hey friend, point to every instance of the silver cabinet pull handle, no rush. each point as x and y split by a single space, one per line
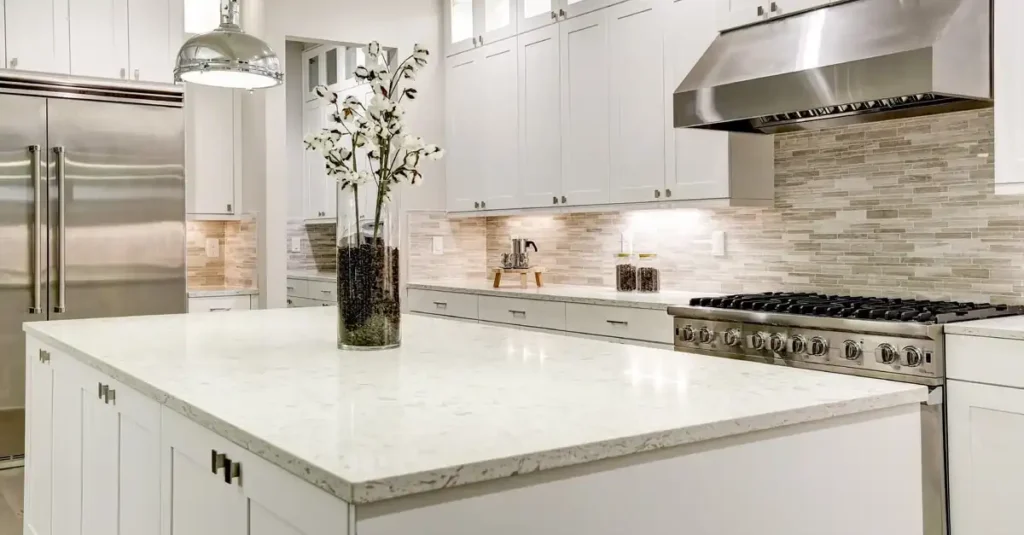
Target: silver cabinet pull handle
668 193
563 13
774 8
228 465
123 73
111 396
518 313
564 200
554 16
657 194
14 63
483 204
554 200
136 74
291 288
62 240
104 391
220 310
325 291
44 356
441 304
235 473
622 323
760 11
35 158
217 461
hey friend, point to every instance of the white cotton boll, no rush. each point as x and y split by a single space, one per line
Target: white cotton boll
413 143
412 159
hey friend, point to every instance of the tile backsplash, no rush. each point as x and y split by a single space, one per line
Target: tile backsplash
316 244
900 208
234 267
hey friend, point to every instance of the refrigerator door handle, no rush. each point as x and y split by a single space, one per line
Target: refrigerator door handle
61 232
35 153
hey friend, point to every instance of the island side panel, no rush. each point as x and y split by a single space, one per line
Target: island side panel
847 476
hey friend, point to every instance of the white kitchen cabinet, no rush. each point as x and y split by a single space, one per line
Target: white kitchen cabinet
540 113
201 16
217 488
155 33
315 178
68 401
524 312
736 13
986 436
449 304
586 101
575 8
212 150
99 38
702 164
323 65
637 101
37 35
38 440
227 303
1008 86
462 130
533 14
469 24
3 39
499 118
99 464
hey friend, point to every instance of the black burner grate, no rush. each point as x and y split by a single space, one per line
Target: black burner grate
869 308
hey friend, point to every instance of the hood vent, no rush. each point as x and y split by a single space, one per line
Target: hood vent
865 60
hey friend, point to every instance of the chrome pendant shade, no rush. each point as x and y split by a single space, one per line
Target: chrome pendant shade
228 57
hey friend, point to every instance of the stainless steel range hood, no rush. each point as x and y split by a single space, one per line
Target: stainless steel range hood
858 61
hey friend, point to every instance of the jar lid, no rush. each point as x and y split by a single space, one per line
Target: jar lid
648 255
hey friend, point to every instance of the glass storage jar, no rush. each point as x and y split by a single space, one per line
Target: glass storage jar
625 272
648 273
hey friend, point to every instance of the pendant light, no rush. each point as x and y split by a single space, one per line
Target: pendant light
228 57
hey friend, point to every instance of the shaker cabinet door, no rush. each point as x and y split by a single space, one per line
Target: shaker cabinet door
99 38
210 149
540 113
39 443
462 132
499 117
154 35
37 35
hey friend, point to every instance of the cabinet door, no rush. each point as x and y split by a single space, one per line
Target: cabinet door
68 400
462 132
1008 79
210 114
37 35
39 444
315 172
499 20
736 13
540 117
330 189
313 72
138 461
697 161
782 8
986 436
99 464
99 38
201 503
500 120
637 101
462 22
153 40
533 14
3 41
585 104
575 8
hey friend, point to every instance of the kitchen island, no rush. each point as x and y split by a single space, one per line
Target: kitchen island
252 422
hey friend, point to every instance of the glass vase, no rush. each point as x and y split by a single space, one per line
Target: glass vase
369 305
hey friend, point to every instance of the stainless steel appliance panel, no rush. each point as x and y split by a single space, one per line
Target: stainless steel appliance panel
117 210
22 158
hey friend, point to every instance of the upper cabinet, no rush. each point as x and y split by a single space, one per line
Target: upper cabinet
1008 86
473 23
117 39
212 151
201 16
736 13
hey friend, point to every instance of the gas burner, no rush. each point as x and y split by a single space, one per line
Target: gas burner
866 308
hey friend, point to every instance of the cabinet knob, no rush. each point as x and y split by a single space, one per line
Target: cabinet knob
229 207
14 63
564 200
668 193
657 194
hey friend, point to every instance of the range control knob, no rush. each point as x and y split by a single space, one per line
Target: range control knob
886 354
777 343
756 341
910 357
688 334
851 350
706 336
819 347
797 344
733 338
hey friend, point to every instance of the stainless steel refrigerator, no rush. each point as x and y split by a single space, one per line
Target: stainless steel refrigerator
92 213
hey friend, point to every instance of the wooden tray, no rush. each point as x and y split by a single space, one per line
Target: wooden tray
524 276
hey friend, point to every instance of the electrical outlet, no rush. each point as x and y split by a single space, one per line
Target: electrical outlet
718 243
296 246
437 247
212 248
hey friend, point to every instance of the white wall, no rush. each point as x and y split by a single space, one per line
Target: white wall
399 23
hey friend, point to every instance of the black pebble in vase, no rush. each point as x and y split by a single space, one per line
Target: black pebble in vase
369 303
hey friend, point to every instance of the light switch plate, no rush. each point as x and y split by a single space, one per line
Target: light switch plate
718 243
212 248
437 247
295 246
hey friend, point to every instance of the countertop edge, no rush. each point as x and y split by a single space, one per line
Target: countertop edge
316 476
223 292
985 332
515 294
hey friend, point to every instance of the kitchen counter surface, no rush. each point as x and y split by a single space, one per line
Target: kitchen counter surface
1010 327
312 275
590 295
457 403
221 292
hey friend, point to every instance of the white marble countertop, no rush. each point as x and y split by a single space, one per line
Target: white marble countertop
458 403
221 292
312 275
590 295
1011 327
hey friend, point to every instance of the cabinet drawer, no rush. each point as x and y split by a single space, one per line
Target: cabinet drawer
323 291
619 322
218 304
996 361
298 288
303 302
456 305
526 312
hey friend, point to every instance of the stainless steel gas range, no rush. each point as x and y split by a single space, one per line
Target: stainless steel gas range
894 339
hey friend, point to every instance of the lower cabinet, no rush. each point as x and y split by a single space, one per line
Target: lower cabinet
221 304
102 459
986 437
311 293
